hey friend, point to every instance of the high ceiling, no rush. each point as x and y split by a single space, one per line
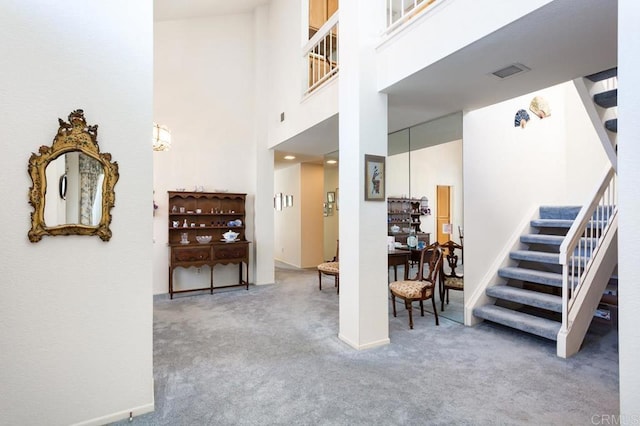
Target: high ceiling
164 10
558 42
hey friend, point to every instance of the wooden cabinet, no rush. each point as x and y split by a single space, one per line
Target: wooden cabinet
198 214
403 213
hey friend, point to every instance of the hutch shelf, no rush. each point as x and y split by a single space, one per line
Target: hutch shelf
198 214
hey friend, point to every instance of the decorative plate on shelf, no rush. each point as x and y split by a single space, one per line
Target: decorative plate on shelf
412 241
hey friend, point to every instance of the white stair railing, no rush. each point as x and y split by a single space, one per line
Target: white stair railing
400 11
321 55
581 248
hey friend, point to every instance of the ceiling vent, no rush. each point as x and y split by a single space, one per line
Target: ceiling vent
510 70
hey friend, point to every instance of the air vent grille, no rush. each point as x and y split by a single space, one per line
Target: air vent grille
510 70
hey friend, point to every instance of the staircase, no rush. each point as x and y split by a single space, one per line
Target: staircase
531 300
599 94
556 278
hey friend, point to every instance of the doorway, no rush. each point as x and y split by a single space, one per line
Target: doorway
443 213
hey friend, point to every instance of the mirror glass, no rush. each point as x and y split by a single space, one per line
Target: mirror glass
73 183
397 181
74 190
425 162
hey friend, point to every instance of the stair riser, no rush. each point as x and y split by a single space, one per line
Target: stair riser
548 302
534 259
518 322
607 99
603 75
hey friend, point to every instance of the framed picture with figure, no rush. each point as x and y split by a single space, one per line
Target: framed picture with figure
331 197
374 176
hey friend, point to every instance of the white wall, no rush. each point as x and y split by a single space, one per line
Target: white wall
438 165
288 75
629 197
586 159
287 222
299 230
76 312
508 171
204 92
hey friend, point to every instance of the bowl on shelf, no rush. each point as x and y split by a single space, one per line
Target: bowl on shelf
203 239
395 229
230 236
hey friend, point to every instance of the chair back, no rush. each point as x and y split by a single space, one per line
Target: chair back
450 255
430 263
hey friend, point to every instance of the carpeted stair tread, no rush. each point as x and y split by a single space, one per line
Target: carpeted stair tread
603 75
531 275
612 125
525 322
559 212
554 240
526 297
552 223
535 256
563 223
607 99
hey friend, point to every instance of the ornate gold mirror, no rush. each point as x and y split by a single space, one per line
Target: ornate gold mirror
73 183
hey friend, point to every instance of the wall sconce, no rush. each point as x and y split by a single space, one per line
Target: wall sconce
161 138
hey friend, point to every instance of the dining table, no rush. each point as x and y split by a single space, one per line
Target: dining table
398 257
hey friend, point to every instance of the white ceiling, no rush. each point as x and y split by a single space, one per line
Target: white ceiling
164 10
558 42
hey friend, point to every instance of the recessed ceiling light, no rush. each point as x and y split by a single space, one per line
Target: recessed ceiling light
331 161
289 157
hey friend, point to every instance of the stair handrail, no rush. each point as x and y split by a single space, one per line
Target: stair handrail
582 242
321 54
406 9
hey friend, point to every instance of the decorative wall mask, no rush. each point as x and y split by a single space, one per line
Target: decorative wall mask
81 202
540 107
521 119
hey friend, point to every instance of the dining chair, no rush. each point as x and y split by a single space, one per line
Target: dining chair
331 268
452 280
422 287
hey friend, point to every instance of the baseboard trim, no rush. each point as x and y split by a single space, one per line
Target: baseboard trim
121 415
369 345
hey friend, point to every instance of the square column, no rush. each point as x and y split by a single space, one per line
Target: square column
629 205
364 294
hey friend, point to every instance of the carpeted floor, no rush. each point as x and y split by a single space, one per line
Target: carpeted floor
271 356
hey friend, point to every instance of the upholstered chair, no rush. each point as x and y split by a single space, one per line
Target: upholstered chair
423 286
452 279
331 268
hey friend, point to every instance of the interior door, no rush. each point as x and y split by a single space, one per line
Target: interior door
443 213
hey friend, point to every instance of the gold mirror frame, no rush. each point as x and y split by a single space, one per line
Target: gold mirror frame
74 136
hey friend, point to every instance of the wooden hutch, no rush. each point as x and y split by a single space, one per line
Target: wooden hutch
194 214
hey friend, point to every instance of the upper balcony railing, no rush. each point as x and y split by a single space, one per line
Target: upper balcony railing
321 55
400 11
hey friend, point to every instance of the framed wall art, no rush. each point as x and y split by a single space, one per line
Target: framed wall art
374 176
